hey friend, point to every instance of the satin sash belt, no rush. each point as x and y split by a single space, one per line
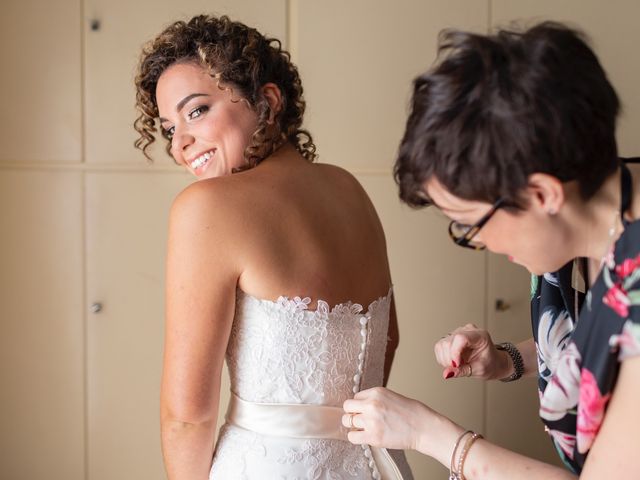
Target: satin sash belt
301 421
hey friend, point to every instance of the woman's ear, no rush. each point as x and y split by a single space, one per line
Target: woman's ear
545 192
273 95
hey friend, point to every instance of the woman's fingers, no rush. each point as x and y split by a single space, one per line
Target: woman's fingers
359 402
464 370
352 406
353 420
465 352
370 393
459 344
363 405
451 351
358 437
449 372
441 350
381 417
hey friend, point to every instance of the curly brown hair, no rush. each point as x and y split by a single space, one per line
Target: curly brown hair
239 58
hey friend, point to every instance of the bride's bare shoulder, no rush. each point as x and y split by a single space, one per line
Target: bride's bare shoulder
335 170
213 207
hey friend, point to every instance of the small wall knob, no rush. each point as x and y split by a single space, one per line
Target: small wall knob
96 307
94 25
501 305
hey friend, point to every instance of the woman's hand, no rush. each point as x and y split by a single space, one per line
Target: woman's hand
382 418
469 352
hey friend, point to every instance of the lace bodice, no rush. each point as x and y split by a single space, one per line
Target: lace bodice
281 352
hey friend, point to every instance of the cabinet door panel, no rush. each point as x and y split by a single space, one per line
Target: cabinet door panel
512 408
613 32
40 88
41 326
438 287
357 63
127 217
126 232
112 52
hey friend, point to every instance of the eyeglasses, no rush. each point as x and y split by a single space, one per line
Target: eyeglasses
462 234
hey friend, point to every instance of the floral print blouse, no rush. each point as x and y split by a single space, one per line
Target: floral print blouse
579 356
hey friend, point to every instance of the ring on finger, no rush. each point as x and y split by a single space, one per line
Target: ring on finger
350 422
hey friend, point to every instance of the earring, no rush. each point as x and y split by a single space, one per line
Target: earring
552 211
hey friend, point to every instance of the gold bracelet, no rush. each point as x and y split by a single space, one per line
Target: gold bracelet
463 454
452 473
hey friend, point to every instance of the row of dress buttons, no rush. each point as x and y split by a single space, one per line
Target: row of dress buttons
364 321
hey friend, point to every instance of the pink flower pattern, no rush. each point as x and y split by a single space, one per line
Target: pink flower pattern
579 358
564 441
590 410
616 298
627 267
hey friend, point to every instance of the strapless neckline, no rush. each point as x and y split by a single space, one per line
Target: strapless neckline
301 304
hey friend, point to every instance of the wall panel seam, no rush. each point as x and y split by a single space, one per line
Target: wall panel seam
83 233
487 276
89 168
487 313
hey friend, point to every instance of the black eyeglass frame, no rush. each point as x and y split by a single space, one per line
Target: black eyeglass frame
465 240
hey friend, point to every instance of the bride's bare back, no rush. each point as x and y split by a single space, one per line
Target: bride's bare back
304 229
291 227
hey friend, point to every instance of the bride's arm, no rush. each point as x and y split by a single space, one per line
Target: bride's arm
200 295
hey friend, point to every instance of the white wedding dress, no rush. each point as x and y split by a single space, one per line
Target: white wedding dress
291 369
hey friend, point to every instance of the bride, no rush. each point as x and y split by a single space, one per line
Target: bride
277 262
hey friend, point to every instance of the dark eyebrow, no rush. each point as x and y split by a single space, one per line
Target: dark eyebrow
184 101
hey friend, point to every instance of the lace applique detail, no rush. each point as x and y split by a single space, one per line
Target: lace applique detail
235 449
296 305
326 459
281 352
243 455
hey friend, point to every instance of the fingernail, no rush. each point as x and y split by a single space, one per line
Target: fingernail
449 375
454 364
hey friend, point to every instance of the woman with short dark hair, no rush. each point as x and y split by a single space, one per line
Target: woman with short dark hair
512 136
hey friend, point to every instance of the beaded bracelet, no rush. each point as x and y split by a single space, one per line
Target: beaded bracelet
452 473
465 451
516 359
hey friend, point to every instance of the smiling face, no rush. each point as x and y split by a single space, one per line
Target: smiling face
208 127
532 237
